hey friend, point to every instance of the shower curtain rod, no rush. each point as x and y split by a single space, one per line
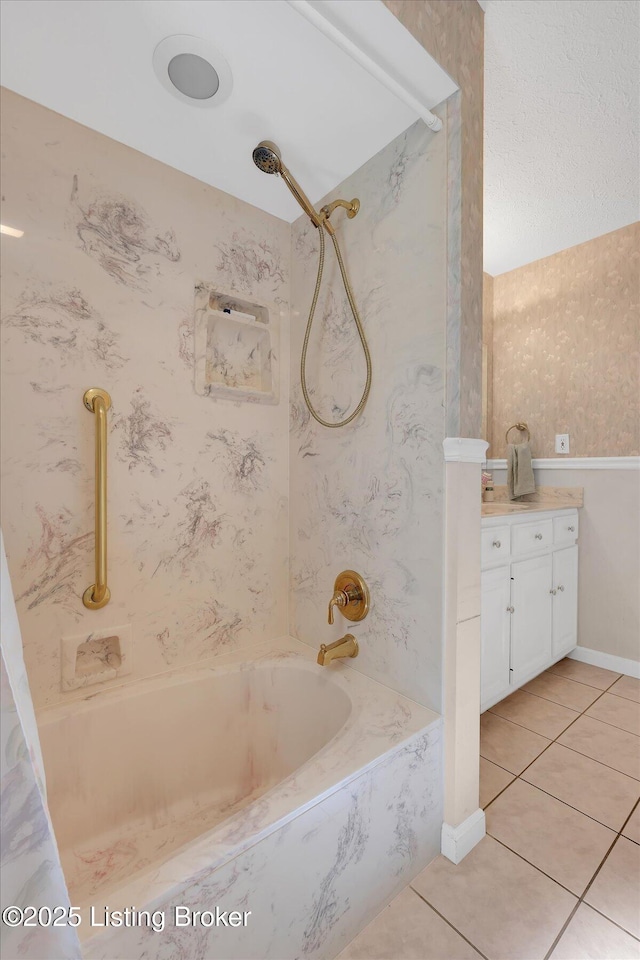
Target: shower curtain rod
305 9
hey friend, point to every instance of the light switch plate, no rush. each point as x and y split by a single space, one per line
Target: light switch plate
562 443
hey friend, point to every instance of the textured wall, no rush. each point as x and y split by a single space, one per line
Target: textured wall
369 496
487 358
452 33
100 292
566 349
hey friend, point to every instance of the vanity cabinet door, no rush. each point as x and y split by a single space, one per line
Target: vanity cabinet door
565 600
531 600
495 628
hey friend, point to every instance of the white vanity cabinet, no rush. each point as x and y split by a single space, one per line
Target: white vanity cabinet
529 597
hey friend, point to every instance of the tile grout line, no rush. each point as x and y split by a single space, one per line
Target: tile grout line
518 724
614 922
617 834
567 804
517 776
620 696
584 684
448 922
539 869
588 887
614 725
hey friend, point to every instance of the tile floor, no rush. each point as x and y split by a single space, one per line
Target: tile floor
558 874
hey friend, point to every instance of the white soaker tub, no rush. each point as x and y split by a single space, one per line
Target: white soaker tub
164 792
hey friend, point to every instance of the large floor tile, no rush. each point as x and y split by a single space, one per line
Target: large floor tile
560 841
627 687
591 937
584 673
493 780
408 929
568 693
504 906
583 783
614 747
615 890
617 711
507 744
632 829
542 716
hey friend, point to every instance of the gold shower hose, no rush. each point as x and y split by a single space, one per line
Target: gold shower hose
307 334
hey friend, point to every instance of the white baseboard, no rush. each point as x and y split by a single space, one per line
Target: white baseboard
457 842
607 660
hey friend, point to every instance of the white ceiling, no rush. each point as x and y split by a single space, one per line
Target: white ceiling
562 125
92 61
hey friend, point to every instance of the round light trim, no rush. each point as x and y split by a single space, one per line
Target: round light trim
193 70
193 76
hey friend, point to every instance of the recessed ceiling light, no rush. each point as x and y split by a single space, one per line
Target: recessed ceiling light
193 70
11 231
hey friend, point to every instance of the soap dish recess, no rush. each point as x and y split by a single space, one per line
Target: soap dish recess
236 347
96 657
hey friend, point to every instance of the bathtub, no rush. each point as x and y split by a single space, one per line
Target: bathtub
302 796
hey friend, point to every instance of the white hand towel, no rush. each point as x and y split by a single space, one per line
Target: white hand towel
520 478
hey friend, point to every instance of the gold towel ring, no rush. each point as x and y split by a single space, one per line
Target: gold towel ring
522 427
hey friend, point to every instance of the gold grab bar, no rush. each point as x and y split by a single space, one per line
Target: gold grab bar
98 594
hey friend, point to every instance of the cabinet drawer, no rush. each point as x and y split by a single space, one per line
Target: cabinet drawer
528 537
565 529
495 544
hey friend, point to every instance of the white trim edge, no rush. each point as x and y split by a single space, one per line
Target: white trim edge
606 660
457 842
322 17
576 463
464 449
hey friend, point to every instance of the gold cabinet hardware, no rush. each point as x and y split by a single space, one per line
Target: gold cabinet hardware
347 646
350 595
98 401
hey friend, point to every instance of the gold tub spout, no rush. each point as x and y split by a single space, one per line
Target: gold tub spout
346 647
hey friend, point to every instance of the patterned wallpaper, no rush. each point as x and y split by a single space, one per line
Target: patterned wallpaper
453 33
369 496
100 292
566 349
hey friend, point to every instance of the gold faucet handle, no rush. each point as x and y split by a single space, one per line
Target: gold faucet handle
351 594
339 599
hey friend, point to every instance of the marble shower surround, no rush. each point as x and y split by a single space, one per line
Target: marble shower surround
453 33
100 292
315 882
369 496
566 349
30 870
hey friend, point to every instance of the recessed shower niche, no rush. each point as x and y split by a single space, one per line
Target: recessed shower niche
236 347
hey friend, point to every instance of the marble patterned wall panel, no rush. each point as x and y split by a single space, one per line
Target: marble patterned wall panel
453 33
30 869
100 292
369 496
566 349
315 882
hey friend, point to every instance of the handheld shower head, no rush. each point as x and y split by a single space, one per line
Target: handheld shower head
267 158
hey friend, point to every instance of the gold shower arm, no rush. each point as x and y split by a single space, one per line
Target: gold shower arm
98 401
